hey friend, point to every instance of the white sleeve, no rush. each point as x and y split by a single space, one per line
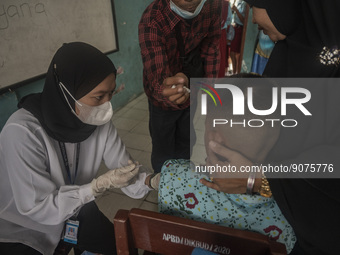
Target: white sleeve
115 155
36 185
138 189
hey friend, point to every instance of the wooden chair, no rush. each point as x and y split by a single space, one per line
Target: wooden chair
166 234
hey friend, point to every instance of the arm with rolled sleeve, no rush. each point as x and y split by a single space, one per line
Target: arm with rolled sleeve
229 18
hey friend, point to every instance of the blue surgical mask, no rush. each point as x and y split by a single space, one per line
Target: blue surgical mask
185 14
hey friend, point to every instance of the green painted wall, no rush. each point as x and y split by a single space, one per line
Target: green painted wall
128 13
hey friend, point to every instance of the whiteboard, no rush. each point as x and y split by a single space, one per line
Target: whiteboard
31 31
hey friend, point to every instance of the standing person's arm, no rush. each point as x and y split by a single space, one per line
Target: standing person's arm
240 13
156 66
230 15
229 18
210 49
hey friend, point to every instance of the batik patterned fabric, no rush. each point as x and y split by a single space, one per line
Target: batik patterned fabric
181 194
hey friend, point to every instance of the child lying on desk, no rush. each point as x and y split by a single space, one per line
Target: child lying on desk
182 192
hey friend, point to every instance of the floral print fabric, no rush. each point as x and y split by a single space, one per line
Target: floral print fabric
181 194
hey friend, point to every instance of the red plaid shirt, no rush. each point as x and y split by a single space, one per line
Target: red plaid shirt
157 39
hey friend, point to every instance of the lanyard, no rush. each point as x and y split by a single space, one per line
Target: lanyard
65 159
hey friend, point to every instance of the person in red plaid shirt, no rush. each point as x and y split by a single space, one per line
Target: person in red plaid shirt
179 40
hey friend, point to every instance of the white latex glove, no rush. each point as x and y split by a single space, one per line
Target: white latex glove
154 182
116 178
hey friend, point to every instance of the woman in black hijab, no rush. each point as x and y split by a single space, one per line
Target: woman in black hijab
312 44
70 67
307 45
50 152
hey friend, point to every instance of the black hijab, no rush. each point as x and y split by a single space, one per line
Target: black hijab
80 67
283 14
310 26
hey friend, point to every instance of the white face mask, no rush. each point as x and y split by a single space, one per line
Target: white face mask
185 14
93 115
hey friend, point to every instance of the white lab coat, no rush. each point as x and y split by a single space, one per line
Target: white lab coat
36 196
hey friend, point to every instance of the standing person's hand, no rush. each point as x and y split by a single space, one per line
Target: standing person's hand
175 88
